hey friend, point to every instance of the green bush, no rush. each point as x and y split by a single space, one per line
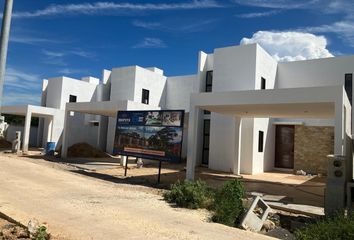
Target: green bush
190 194
41 234
338 227
228 204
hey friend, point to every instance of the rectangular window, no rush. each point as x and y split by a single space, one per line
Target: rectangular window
260 141
206 140
72 98
209 81
208 86
145 96
348 85
263 83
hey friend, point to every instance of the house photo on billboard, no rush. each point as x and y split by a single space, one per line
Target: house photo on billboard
244 112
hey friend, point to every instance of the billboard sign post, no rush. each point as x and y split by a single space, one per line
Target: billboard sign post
154 135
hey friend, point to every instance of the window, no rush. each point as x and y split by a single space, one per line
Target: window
209 81
208 85
348 85
260 141
145 96
206 140
72 98
263 83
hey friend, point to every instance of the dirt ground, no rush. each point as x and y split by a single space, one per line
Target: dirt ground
12 231
283 186
75 206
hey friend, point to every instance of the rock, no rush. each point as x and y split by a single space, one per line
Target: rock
33 226
280 233
21 232
269 225
301 172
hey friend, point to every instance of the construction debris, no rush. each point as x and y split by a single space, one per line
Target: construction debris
256 215
4 143
85 150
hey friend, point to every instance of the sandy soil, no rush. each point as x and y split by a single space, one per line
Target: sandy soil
78 207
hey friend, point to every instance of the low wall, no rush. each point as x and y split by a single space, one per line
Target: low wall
11 130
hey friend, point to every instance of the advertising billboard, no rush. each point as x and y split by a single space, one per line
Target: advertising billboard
153 135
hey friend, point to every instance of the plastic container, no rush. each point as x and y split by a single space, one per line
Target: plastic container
50 148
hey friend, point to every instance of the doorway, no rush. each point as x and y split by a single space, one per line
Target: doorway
284 146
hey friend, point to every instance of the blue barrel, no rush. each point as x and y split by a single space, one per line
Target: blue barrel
50 148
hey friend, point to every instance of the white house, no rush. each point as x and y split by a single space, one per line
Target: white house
245 112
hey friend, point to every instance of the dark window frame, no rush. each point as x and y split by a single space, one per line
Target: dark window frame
145 97
205 148
348 85
208 86
72 98
260 141
263 83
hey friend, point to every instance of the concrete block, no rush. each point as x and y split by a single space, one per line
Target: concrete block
256 215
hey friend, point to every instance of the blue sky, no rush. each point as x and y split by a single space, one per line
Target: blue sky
81 37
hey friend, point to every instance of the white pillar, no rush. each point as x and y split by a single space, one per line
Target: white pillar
339 128
4 40
64 146
192 142
26 132
237 163
123 160
50 130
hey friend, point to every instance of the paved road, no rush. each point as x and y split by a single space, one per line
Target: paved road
79 207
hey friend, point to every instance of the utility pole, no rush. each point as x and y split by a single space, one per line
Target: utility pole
4 40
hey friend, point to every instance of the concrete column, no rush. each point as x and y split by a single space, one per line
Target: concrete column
339 129
5 32
64 148
238 137
27 129
50 130
192 142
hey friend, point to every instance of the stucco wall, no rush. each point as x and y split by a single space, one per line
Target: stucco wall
312 145
178 92
314 73
11 130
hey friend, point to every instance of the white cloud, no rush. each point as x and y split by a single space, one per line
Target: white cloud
146 25
258 14
21 87
177 26
104 7
344 29
151 43
30 40
291 46
18 98
278 4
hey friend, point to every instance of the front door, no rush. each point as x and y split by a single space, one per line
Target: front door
284 146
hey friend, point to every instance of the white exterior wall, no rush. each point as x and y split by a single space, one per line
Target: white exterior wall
11 130
234 69
313 73
178 92
122 83
266 67
152 81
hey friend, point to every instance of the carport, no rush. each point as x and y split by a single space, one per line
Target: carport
53 115
329 102
104 108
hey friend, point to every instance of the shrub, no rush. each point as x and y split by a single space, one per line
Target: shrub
190 194
228 204
41 234
337 227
